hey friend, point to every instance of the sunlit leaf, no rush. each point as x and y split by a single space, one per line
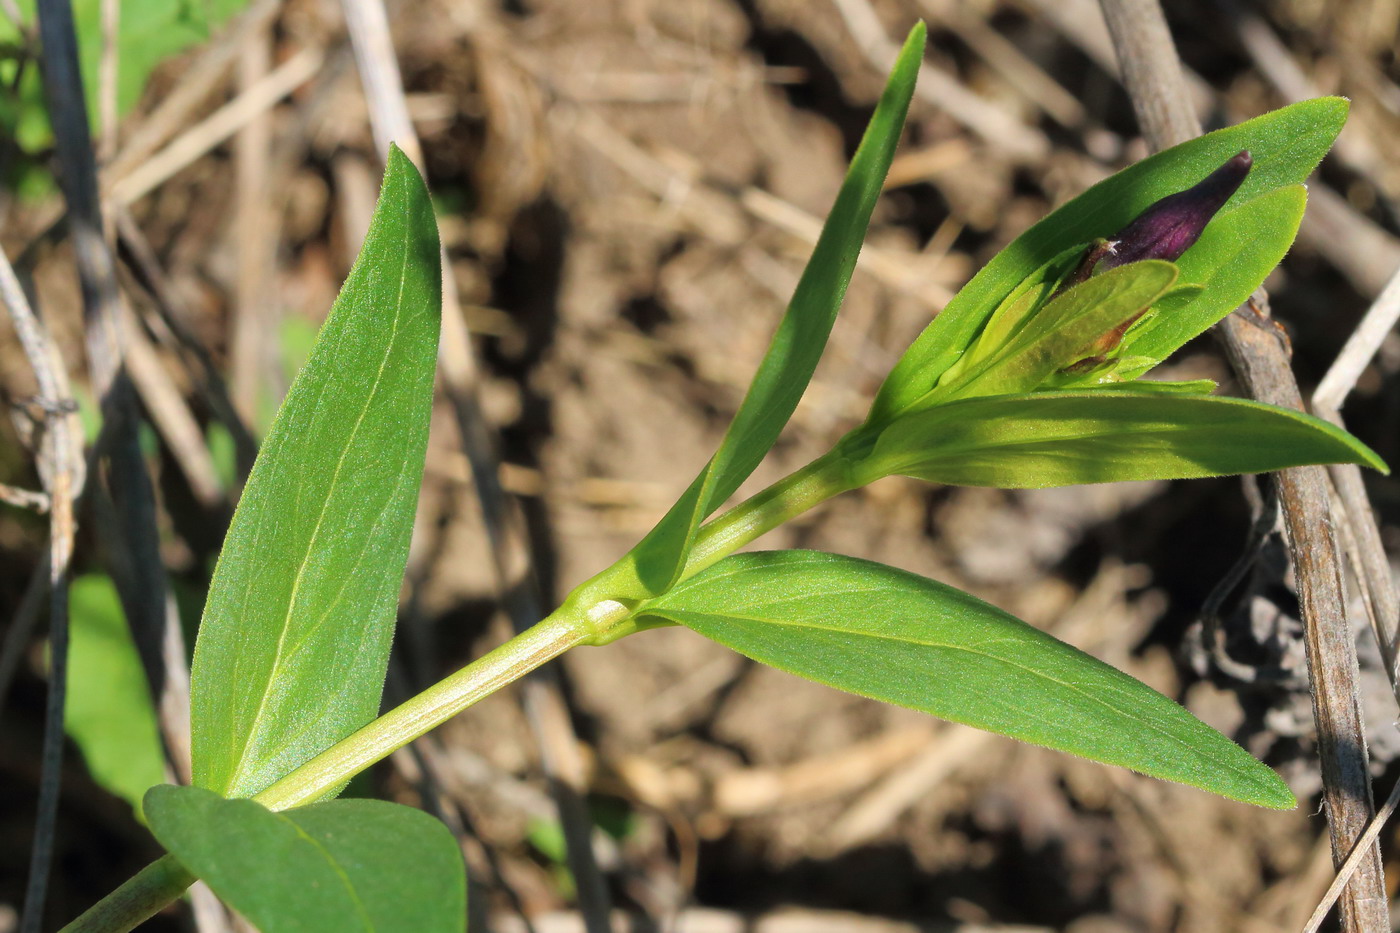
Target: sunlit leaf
797 345
335 867
295 637
1059 334
1286 145
893 636
1061 439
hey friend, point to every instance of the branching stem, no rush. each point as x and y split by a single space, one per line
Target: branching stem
577 622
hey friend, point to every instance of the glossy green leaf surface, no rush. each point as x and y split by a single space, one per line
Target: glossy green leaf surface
1286 144
897 637
797 345
295 637
109 713
1058 335
1061 439
335 867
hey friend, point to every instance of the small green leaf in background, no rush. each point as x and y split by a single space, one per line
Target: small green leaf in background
897 637
799 341
296 630
334 867
109 713
149 32
1094 436
224 453
1286 145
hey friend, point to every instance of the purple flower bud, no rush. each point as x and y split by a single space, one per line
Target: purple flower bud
1168 228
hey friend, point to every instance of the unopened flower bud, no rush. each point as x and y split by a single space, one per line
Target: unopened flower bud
1168 228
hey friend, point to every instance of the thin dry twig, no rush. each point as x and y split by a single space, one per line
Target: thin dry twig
64 94
1003 56
1277 64
196 83
710 210
125 501
172 316
59 476
996 126
217 127
24 498
1363 538
107 66
1354 860
543 698
1361 347
252 350
1153 77
171 416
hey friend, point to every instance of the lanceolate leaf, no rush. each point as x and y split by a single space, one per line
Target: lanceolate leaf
1094 436
798 344
900 638
335 867
1286 144
109 713
295 637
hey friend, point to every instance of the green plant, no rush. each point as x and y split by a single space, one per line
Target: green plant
148 33
1030 377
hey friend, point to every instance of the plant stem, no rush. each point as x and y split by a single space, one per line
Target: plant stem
328 771
139 898
823 478
566 627
574 623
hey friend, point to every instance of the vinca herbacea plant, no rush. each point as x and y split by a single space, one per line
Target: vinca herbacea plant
1031 377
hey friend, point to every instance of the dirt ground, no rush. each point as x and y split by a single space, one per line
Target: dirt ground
627 191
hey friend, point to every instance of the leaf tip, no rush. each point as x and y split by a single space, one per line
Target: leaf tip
1331 112
1362 454
911 56
1273 795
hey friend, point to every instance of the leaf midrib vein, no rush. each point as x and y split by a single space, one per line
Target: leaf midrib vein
930 644
253 729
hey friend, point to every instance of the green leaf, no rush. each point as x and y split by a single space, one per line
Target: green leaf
295 637
109 712
798 343
1142 387
1095 436
1286 144
1238 249
148 33
1060 333
893 636
1017 308
332 867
